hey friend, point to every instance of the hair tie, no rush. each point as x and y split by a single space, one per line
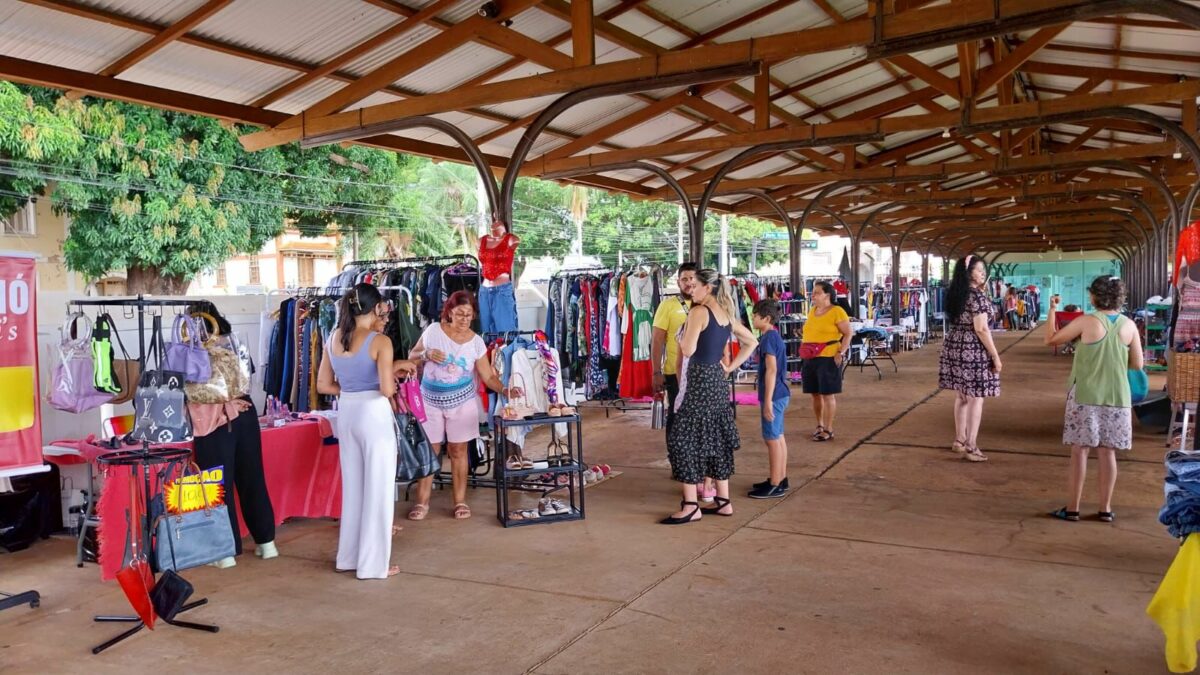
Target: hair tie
1114 278
970 259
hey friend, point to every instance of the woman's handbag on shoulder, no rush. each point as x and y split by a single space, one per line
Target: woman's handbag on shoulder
160 413
194 538
73 377
812 350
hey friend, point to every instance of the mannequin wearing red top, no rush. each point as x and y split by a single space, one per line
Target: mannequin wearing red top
497 301
1187 253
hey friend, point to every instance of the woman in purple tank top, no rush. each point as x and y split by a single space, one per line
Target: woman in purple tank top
357 367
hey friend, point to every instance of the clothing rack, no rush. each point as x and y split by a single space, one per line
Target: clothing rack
136 306
412 262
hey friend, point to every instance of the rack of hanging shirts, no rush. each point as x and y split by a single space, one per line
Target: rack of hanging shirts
429 281
293 339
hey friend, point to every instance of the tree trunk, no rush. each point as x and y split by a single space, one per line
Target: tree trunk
151 281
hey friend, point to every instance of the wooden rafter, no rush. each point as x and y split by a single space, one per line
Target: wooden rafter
164 37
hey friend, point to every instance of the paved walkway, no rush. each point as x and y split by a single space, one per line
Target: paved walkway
890 554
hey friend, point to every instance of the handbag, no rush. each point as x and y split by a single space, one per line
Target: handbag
160 414
225 381
411 390
185 352
170 594
194 538
103 377
812 350
73 375
126 371
415 457
135 576
518 407
1139 385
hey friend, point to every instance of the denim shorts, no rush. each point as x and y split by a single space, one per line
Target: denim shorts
774 430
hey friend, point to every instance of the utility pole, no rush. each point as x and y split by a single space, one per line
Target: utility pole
723 262
754 255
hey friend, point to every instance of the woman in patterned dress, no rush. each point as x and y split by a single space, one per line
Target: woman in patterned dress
701 442
969 363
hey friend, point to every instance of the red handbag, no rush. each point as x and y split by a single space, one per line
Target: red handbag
136 577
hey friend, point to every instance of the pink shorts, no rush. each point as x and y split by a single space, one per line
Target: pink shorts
455 425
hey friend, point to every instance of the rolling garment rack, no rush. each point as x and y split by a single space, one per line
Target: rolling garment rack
141 462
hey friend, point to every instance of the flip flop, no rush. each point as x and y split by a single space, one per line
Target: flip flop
1064 514
461 511
418 512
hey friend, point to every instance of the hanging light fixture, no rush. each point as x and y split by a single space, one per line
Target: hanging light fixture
1178 154
1035 229
1024 216
946 132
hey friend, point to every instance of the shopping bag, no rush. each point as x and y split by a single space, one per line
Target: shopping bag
1175 607
135 576
73 374
411 390
185 351
195 538
415 455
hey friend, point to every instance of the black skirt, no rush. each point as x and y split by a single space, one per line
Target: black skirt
703 437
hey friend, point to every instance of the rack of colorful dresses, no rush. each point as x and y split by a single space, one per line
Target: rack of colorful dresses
600 321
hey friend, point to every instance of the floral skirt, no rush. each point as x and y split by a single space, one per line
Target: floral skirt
1097 426
704 435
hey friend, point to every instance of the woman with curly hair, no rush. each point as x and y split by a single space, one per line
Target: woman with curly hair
1099 406
969 363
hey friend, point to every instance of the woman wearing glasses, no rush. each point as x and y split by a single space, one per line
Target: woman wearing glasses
454 357
358 368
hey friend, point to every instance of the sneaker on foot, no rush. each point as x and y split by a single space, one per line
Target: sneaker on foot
767 483
768 492
266 551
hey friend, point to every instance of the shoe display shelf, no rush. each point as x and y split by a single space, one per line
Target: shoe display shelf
567 476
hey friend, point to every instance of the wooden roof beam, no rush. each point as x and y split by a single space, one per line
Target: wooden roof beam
164 37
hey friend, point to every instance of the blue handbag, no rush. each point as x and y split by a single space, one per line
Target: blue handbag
195 538
1139 385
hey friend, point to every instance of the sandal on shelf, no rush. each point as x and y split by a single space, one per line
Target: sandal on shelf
973 454
1106 516
688 518
526 463
516 515
958 447
716 510
513 463
418 512
461 511
1064 514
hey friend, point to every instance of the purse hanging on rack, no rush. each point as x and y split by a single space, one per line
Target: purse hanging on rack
225 380
135 576
194 538
73 376
160 414
185 352
126 371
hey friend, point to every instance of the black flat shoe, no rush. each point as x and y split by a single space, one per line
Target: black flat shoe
671 520
1106 516
767 483
716 510
1064 514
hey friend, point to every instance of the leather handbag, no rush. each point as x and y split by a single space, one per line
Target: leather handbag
160 413
416 457
170 594
194 538
73 376
135 576
126 371
185 352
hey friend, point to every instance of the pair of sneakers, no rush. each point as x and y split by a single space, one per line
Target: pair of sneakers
768 490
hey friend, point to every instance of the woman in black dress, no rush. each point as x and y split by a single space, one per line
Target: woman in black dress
701 442
969 363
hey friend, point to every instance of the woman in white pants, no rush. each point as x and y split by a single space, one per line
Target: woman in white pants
357 367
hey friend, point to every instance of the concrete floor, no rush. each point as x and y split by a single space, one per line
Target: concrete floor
889 555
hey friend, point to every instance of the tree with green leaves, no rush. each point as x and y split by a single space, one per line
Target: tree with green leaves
31 137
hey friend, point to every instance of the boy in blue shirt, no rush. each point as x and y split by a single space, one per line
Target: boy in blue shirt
774 396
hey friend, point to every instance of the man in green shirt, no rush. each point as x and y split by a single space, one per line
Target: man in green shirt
664 346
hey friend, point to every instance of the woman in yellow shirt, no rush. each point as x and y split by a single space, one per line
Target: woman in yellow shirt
827 338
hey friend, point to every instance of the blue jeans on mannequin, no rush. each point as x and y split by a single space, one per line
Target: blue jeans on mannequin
497 309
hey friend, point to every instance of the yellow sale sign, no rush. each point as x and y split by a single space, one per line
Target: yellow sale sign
193 491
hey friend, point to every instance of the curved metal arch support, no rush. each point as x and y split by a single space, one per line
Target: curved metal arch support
468 146
837 185
565 102
662 173
1118 164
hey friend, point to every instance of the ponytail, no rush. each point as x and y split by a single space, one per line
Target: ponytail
724 296
359 300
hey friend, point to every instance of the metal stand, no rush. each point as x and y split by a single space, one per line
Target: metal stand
536 480
140 462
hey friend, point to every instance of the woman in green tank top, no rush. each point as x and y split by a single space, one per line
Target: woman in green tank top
1099 413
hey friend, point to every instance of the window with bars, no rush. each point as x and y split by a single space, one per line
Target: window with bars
222 279
20 222
307 271
255 275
